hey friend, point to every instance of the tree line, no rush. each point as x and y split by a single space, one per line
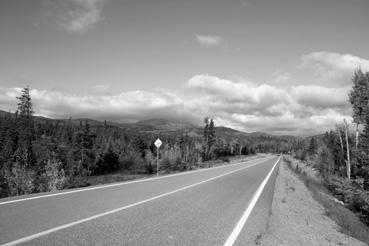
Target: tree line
341 155
39 154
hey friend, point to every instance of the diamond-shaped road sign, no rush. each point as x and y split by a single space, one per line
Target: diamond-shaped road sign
158 143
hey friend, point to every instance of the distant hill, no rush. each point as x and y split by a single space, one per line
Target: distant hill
161 126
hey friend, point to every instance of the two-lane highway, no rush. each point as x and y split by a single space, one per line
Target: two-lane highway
204 207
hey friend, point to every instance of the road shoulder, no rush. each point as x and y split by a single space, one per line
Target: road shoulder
297 219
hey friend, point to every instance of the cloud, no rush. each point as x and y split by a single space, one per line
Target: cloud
209 41
320 97
78 15
244 104
248 106
331 69
125 106
335 61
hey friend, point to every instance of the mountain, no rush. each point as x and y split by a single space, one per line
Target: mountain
161 126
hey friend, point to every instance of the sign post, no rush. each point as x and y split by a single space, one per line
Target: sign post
157 143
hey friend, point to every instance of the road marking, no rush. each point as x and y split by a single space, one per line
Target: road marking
46 232
124 183
237 230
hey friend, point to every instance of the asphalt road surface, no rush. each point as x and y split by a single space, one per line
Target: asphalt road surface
226 205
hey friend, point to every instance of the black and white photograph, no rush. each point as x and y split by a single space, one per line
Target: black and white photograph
184 122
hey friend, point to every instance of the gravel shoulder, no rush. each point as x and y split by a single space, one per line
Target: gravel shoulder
297 219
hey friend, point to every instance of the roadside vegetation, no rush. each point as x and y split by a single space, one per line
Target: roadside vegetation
39 154
340 160
349 222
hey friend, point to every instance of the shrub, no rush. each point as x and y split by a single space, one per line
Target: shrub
360 203
19 179
133 162
107 163
54 176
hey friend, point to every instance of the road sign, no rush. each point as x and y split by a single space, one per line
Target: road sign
158 143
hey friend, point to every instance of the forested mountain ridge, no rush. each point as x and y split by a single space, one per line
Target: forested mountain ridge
156 126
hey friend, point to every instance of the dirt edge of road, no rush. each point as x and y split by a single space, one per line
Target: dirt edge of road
297 218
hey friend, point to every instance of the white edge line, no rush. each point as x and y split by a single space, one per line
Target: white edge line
238 228
46 232
123 183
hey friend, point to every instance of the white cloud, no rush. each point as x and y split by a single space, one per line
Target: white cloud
125 106
243 104
336 61
244 95
331 69
261 107
78 15
209 41
320 97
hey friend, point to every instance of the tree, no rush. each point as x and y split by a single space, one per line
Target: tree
364 154
359 98
324 161
140 146
209 136
312 146
108 161
348 164
25 126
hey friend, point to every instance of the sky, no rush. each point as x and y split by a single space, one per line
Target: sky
277 66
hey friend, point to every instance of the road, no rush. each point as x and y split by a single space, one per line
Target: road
226 205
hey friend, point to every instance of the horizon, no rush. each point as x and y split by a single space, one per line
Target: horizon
168 120
238 62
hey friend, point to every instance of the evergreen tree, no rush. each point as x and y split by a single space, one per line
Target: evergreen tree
209 137
25 126
108 161
211 133
312 146
359 98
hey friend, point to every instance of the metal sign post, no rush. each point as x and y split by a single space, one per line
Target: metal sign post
157 143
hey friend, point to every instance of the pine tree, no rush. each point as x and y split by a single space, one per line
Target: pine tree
26 128
211 130
312 146
209 136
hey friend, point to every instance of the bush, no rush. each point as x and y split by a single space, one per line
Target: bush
171 159
132 161
150 162
107 163
324 161
360 204
351 194
20 180
54 176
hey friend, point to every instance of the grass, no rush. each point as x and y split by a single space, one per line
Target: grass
348 221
